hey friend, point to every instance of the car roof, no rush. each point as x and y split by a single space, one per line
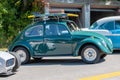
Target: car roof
54 21
47 21
107 19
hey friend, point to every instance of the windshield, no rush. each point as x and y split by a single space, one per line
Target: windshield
94 25
72 26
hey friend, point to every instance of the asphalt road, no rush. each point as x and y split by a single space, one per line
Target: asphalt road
68 68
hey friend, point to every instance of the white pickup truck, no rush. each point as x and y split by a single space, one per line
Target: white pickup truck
9 62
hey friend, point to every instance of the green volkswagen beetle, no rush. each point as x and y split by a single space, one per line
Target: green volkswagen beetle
60 38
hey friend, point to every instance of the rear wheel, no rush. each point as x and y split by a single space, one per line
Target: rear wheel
90 54
24 54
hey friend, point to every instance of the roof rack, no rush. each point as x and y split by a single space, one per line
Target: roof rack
36 16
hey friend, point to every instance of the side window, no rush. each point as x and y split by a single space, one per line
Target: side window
34 31
117 24
63 30
55 29
51 29
107 26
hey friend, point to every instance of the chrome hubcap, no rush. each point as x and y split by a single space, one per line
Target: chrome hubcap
90 54
22 55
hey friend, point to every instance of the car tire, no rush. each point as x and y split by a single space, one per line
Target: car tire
17 61
90 54
24 54
103 56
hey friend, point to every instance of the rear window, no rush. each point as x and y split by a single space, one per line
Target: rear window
94 25
107 26
34 31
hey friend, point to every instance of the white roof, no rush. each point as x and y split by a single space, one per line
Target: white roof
107 19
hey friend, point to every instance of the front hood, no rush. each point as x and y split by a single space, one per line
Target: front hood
100 31
5 55
88 34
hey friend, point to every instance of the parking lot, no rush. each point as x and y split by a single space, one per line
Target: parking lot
68 68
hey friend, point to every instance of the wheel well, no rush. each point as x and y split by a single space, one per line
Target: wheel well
21 46
79 53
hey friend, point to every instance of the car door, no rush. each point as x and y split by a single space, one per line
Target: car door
57 40
116 35
34 36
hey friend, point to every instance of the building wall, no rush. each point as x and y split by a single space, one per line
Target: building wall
98 8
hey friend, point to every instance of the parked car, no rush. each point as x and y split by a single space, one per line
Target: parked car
59 38
110 27
9 62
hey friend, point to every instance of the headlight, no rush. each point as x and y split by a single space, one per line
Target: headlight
10 62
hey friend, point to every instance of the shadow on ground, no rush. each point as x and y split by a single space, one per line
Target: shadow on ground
5 76
116 52
66 62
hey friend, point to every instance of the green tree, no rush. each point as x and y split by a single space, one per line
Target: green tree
13 18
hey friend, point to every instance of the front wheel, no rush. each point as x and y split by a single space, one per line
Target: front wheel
24 54
90 54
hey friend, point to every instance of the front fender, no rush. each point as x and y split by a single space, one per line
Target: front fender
94 41
22 44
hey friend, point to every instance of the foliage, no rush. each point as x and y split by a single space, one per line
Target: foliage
13 18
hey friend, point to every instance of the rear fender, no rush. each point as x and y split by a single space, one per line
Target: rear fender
23 44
